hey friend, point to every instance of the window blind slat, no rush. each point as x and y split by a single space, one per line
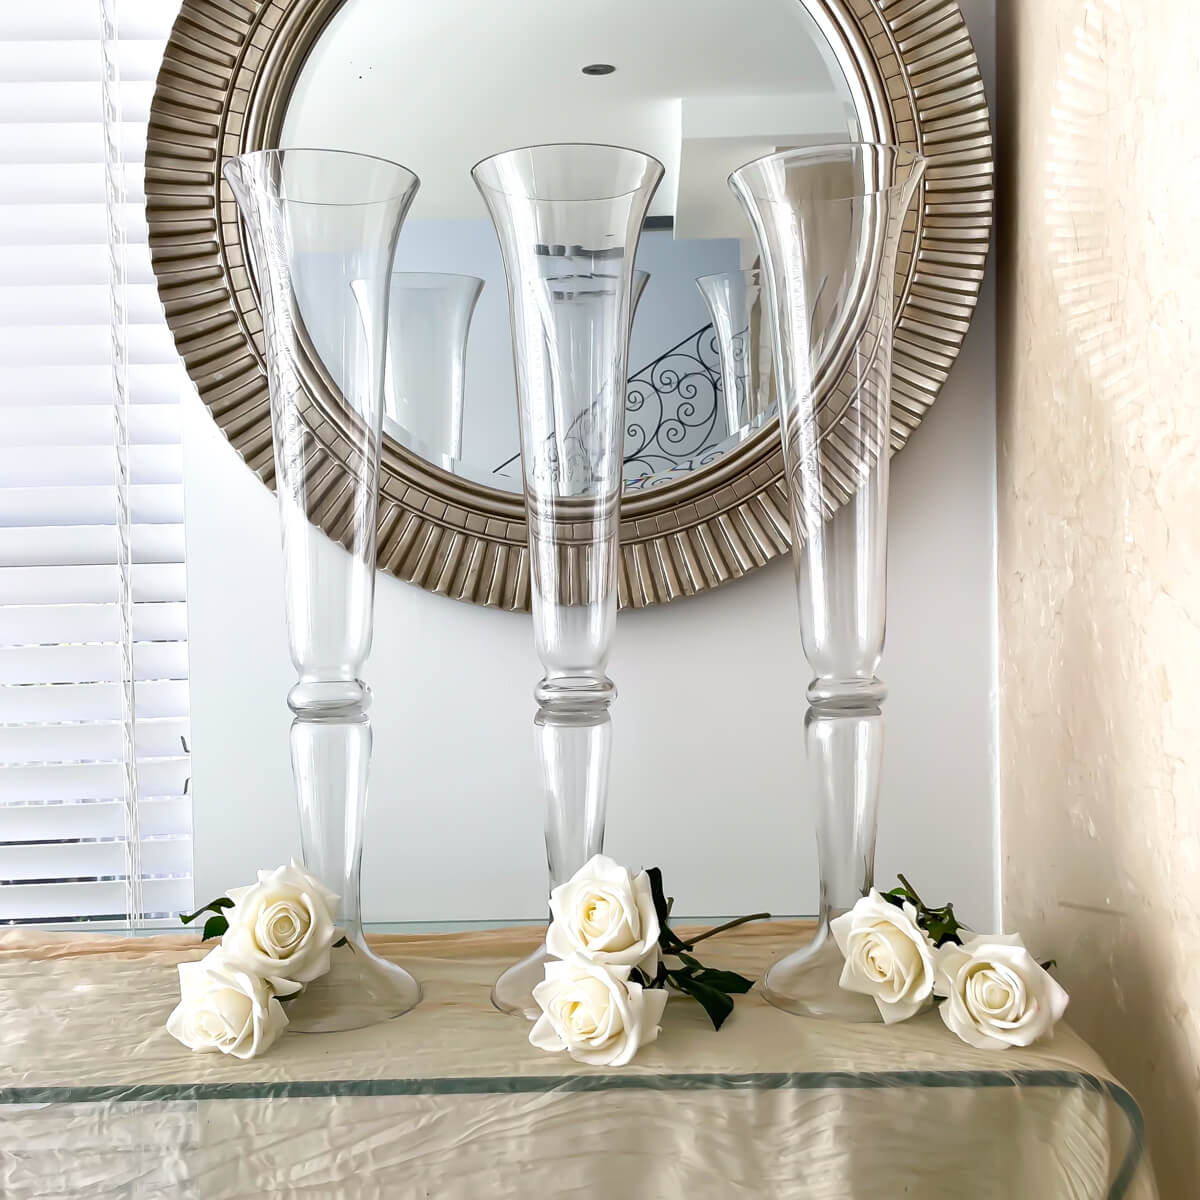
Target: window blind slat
96 741
80 19
89 425
90 859
73 304
85 345
84 222
161 816
88 465
67 585
71 782
70 102
66 183
26 144
54 624
89 702
150 504
67 899
54 264
149 383
41 60
90 663
80 545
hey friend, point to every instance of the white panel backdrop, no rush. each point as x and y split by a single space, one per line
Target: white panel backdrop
708 776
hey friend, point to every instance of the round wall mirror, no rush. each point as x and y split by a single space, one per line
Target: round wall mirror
704 86
700 87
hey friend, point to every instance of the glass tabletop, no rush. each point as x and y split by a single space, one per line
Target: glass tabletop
98 1100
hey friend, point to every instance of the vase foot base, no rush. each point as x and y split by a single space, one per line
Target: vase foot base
806 983
360 989
512 993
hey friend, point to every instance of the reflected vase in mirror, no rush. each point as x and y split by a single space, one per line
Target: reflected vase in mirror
742 333
568 219
429 321
828 223
322 227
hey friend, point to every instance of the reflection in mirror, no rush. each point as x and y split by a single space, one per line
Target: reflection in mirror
735 302
429 318
702 85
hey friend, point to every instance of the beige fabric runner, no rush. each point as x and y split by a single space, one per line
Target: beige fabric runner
451 1100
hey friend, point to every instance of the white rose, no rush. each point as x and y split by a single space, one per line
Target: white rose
595 1013
997 995
223 1008
281 927
605 914
888 956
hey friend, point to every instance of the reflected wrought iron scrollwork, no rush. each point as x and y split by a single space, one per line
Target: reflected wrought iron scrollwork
674 412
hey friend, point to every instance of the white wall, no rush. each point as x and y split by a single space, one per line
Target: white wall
708 776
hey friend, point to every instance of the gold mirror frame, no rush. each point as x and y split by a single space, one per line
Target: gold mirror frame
223 89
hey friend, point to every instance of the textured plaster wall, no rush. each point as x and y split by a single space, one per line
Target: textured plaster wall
1099 531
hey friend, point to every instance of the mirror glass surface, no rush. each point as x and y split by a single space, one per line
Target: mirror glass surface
702 85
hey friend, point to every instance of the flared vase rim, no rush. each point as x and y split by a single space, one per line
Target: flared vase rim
801 154
436 275
389 196
615 195
742 271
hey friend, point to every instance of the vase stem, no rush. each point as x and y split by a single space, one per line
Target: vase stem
573 753
330 763
846 752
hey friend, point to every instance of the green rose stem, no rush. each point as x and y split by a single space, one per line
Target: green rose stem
700 937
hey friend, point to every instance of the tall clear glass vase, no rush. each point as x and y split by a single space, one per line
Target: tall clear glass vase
568 218
736 304
828 222
429 320
322 227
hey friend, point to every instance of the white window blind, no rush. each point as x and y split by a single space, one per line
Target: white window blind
95 819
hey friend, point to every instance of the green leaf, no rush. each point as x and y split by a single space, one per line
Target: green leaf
715 1003
669 943
214 906
654 874
941 924
724 981
214 927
